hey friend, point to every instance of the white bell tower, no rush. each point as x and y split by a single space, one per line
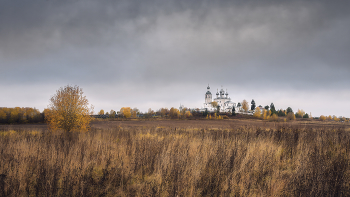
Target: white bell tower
208 97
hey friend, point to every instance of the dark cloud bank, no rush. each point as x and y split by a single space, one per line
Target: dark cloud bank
160 53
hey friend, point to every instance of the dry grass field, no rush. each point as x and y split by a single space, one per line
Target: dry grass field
177 158
228 124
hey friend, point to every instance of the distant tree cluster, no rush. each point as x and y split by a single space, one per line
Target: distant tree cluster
20 115
269 112
333 118
174 113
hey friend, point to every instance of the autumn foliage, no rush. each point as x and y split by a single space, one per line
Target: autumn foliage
174 113
273 117
300 113
20 115
69 110
245 105
102 112
125 112
322 118
290 116
257 113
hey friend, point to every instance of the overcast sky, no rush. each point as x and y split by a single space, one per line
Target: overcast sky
153 54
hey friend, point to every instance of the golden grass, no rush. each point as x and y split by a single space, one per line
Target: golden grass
169 161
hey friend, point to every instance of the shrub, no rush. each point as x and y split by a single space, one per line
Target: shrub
225 117
323 118
257 113
290 116
336 119
274 117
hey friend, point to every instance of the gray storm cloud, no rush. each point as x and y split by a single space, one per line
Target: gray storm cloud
150 46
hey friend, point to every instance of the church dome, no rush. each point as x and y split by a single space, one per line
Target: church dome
208 92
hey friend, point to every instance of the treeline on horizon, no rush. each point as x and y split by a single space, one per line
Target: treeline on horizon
21 115
24 115
267 112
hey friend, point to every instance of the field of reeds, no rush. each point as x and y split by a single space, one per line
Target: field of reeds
172 161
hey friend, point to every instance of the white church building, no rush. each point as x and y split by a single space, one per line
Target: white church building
222 100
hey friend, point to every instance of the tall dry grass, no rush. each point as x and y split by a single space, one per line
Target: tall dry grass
149 161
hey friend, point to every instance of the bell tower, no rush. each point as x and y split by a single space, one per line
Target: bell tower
208 97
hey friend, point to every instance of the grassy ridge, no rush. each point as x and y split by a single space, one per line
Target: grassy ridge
168 161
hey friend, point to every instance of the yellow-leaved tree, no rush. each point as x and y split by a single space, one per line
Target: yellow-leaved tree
264 114
164 112
274 117
112 114
188 114
126 112
323 118
257 113
214 104
245 105
102 112
69 110
174 113
2 115
335 118
135 111
290 116
300 113
14 115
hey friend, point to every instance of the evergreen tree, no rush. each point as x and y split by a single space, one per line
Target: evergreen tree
272 108
281 113
205 112
289 109
253 105
233 111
